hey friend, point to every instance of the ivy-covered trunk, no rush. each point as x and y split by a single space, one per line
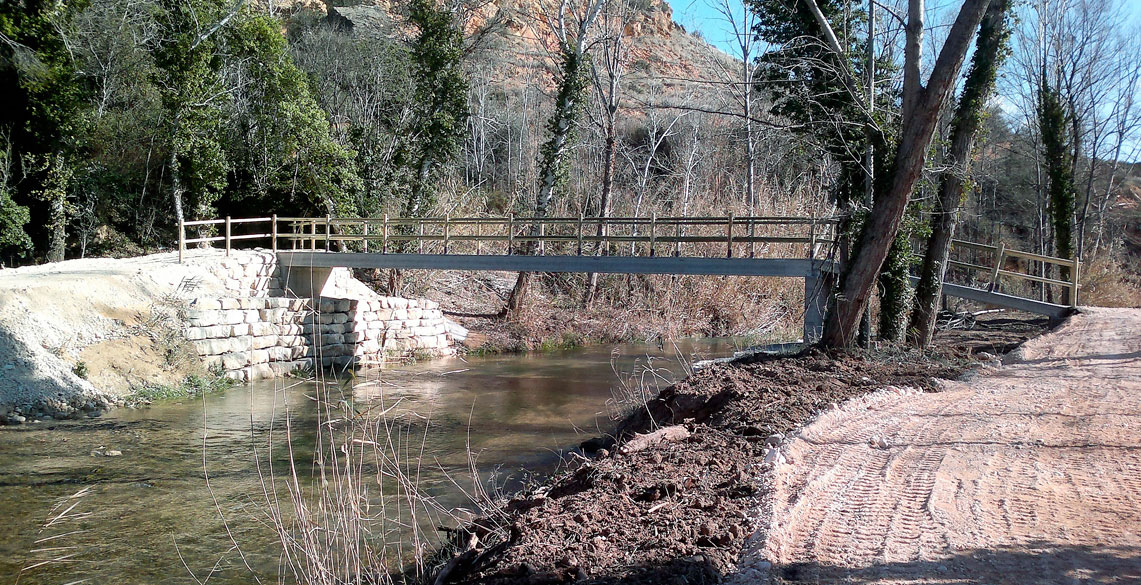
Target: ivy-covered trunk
990 50
552 161
895 288
1053 123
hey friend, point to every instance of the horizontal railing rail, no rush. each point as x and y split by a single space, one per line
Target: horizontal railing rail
653 235
996 267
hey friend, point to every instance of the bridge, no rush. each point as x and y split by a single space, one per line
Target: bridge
786 247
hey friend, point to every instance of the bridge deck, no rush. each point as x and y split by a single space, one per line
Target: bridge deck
1050 310
786 267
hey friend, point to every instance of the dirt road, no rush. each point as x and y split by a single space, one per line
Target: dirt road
1030 473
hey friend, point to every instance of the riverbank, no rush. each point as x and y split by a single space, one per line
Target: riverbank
628 308
677 505
81 336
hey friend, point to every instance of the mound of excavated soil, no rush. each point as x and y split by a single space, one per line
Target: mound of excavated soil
113 318
677 506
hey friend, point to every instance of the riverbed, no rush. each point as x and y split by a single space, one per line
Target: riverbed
125 499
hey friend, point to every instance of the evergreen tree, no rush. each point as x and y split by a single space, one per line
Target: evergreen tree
188 60
42 116
440 105
284 152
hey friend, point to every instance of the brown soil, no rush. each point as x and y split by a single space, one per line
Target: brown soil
1028 474
680 510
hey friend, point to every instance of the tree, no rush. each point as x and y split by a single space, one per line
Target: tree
573 80
990 50
921 105
43 115
612 54
440 109
188 60
1053 122
282 146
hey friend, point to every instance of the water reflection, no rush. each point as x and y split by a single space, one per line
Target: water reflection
149 515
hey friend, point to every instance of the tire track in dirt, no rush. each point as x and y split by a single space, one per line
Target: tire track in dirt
1028 473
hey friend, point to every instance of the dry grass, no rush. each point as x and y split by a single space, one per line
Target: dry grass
1108 282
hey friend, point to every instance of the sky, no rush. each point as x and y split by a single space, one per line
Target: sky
700 15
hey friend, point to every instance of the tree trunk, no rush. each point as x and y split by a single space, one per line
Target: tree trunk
609 157
923 105
977 89
562 125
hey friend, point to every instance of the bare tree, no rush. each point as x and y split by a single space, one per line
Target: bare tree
571 25
612 52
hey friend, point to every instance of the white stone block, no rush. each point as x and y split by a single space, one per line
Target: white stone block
206 304
259 356
264 328
264 342
236 360
230 303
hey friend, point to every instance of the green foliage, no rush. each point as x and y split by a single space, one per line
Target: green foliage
1053 123
562 126
440 109
13 216
287 150
192 386
895 288
193 97
804 78
80 369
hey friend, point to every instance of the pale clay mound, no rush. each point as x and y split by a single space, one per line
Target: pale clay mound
105 313
1030 473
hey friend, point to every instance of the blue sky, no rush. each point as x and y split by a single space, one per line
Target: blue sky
700 15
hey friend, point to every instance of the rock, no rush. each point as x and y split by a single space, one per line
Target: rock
707 529
15 419
774 440
672 434
113 453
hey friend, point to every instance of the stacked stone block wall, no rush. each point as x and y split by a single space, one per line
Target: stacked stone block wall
251 336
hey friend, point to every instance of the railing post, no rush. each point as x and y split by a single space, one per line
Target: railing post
420 240
273 232
313 235
227 235
478 237
510 233
1076 287
752 235
364 235
997 266
181 239
542 237
328 230
729 237
677 238
653 232
447 231
580 219
384 236
812 239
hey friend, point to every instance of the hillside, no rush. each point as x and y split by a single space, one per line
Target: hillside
663 59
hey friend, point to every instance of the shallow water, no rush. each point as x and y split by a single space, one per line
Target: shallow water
150 516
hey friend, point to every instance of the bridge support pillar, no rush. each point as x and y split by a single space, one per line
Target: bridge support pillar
817 285
306 282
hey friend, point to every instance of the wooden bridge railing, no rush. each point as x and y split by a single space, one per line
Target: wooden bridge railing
727 236
967 256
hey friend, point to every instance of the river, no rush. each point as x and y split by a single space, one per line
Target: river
150 516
